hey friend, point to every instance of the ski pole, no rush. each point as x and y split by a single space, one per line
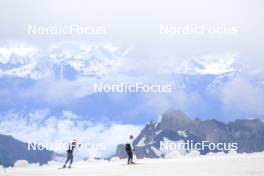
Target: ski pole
75 153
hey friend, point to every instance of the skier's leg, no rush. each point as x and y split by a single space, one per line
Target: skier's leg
129 157
68 158
128 160
71 160
132 158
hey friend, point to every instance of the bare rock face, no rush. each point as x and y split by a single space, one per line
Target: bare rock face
176 126
12 150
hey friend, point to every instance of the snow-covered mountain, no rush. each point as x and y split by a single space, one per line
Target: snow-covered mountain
210 65
85 60
34 76
69 61
62 61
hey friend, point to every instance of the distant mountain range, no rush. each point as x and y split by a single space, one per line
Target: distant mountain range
176 126
71 60
76 67
12 150
63 61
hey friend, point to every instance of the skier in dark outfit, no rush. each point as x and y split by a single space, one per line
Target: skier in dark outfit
70 150
129 150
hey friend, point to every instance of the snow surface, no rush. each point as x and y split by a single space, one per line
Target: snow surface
142 143
182 133
220 165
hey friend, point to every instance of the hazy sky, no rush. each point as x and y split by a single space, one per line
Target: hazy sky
135 27
137 23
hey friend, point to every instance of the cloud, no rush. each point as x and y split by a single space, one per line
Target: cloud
58 92
41 126
106 63
24 52
243 97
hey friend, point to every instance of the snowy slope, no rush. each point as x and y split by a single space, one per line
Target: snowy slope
233 165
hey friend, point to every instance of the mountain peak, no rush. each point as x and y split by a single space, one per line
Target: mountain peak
177 127
173 118
175 113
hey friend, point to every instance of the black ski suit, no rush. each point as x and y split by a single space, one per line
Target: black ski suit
69 155
129 151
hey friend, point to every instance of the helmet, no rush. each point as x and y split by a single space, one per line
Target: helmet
131 137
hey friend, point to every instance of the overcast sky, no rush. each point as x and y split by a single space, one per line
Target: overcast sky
137 23
135 27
